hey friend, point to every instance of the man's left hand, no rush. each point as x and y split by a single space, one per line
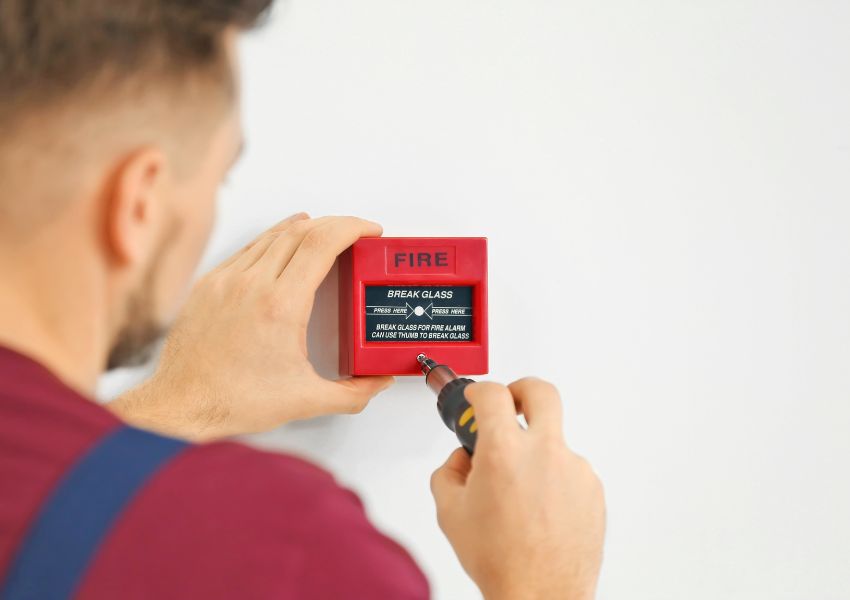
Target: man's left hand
236 359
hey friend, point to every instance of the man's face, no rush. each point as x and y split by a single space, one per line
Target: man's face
188 202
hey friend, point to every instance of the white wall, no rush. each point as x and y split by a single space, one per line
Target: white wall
666 189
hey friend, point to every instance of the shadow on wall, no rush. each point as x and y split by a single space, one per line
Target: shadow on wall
321 437
323 330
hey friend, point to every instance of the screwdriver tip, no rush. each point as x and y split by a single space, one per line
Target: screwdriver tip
421 358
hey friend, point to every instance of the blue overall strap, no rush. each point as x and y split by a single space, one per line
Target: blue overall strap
80 511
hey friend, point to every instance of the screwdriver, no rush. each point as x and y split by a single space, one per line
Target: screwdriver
452 405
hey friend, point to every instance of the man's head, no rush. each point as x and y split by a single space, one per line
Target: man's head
118 122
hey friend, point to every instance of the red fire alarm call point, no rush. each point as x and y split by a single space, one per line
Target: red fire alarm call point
400 297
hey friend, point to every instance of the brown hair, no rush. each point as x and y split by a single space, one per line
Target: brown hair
52 50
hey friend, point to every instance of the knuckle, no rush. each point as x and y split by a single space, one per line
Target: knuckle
300 228
487 389
315 240
584 473
435 477
264 241
582 462
598 488
242 285
276 307
538 386
583 467
548 388
273 310
271 234
287 223
443 520
219 288
553 445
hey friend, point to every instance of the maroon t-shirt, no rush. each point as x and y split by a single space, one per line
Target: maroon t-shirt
219 520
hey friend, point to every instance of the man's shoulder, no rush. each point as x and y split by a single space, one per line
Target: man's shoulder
229 485
224 516
233 468
243 484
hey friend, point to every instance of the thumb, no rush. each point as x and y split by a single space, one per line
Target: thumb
352 394
449 480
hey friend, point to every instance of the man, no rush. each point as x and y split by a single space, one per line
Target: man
118 121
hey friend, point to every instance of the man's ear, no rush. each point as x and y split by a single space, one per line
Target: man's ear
131 205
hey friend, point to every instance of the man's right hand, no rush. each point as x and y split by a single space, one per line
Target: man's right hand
525 515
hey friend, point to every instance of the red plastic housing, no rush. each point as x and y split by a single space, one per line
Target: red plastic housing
430 265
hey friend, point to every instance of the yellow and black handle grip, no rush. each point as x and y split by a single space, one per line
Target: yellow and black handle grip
457 413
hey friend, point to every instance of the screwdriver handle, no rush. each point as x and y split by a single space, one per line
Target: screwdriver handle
457 413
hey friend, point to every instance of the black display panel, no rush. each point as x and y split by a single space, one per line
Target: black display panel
418 313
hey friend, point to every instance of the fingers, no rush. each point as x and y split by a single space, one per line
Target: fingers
494 408
448 481
253 251
351 395
540 403
304 249
283 247
317 253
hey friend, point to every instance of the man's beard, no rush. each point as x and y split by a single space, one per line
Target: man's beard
135 343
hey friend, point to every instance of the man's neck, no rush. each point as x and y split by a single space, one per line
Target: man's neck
50 314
